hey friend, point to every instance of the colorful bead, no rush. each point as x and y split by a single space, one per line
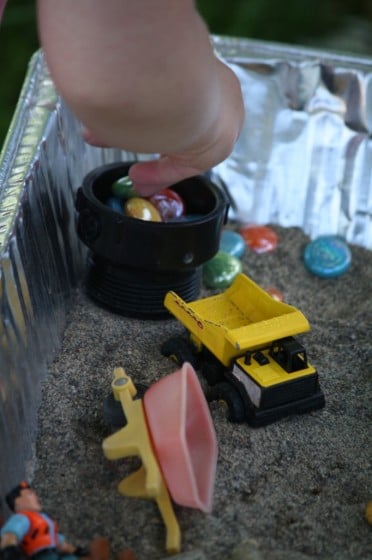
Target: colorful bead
115 204
188 218
327 256
123 188
275 293
221 270
260 239
168 203
141 209
368 512
232 243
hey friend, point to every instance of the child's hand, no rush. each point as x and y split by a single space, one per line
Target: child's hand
215 145
142 76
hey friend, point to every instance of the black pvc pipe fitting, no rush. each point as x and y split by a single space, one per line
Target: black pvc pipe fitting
132 263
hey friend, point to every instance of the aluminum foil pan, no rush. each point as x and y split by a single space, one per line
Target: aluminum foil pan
303 159
41 261
304 156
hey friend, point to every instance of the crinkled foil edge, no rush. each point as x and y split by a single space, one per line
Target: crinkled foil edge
42 164
303 158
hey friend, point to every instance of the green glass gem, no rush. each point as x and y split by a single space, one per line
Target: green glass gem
123 188
221 270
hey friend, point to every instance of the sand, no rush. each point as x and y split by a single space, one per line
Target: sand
296 489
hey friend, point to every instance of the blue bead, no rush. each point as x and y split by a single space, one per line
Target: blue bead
115 204
232 243
327 256
187 218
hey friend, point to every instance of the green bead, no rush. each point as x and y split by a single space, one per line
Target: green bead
123 188
221 270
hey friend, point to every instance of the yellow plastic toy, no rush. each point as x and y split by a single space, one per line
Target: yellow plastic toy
172 431
368 512
134 439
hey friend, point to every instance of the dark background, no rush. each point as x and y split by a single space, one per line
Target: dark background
340 25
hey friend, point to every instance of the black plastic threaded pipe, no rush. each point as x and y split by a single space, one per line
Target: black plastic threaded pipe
133 263
135 294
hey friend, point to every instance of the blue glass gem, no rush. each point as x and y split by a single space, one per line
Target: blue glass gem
327 256
221 270
187 218
115 204
232 243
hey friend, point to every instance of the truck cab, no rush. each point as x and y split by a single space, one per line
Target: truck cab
274 381
289 354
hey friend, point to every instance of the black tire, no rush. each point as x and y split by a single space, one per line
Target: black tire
226 392
213 371
113 413
180 350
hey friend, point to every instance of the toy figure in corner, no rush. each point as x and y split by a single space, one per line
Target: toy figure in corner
29 532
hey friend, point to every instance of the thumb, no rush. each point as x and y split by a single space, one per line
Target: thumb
150 177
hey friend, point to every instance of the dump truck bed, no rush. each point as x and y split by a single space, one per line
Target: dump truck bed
243 317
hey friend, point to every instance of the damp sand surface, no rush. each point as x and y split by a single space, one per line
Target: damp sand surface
295 490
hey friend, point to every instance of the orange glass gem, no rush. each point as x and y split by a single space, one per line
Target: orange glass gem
275 293
260 239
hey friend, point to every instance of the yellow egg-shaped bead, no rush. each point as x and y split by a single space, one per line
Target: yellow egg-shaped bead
141 209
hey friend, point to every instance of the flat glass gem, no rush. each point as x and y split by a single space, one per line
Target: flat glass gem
115 204
275 293
260 239
169 204
327 256
233 243
221 270
141 209
123 188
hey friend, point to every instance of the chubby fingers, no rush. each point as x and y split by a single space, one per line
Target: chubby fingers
150 177
212 146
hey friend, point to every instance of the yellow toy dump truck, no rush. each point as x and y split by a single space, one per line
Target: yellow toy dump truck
243 342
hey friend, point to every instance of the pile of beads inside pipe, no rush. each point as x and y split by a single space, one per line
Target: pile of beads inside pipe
163 206
168 206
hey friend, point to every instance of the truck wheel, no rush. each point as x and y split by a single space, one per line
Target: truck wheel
113 413
213 372
179 350
230 395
